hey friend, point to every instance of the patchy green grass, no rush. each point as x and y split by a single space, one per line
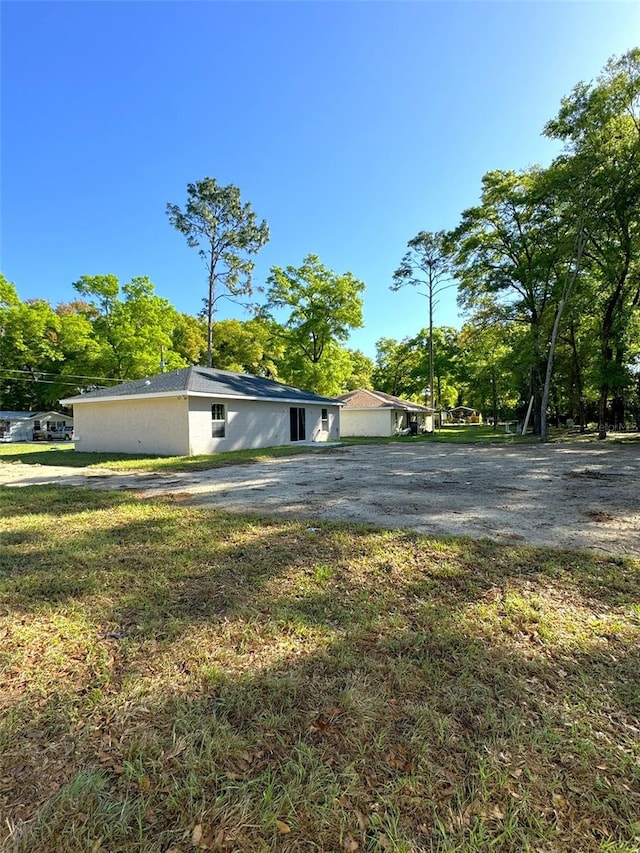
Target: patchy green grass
591 436
454 434
472 433
53 454
483 434
178 679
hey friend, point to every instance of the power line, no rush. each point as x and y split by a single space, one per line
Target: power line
53 373
38 381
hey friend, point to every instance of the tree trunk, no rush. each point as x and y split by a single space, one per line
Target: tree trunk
431 365
210 304
602 411
577 378
536 380
608 338
606 351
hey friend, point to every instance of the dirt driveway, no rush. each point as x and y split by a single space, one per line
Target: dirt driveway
567 496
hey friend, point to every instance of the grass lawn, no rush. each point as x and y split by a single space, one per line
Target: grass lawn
54 454
178 680
454 434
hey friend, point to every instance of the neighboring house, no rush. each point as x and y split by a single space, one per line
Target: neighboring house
374 413
32 426
463 415
200 410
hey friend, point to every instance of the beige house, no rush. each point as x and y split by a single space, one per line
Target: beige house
199 410
374 413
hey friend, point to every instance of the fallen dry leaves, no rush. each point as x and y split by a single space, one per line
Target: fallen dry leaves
383 687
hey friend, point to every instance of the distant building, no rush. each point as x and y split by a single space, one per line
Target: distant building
35 426
463 415
374 413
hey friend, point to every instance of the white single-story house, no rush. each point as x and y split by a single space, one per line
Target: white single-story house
374 413
33 426
199 410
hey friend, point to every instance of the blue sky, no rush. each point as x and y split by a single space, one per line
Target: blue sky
349 127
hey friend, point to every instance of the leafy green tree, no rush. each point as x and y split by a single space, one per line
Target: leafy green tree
28 338
8 299
225 232
577 367
327 376
134 333
362 368
508 255
446 366
633 394
552 249
37 326
189 339
600 126
322 307
397 365
76 351
251 346
427 264
488 373
404 368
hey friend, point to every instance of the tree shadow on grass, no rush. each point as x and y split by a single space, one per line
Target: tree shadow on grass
149 561
421 738
179 667
58 501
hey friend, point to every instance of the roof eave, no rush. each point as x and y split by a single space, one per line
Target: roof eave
86 398
118 398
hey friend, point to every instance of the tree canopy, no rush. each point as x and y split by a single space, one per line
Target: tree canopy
225 232
322 308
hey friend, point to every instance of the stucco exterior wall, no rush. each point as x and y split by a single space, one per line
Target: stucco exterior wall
133 426
369 422
380 422
252 423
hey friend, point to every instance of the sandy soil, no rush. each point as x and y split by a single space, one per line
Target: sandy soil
566 496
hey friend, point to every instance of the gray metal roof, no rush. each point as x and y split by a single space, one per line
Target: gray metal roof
204 380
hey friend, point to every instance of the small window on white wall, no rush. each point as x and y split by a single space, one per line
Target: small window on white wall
325 420
218 420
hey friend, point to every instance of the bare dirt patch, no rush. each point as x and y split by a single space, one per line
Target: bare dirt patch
565 496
